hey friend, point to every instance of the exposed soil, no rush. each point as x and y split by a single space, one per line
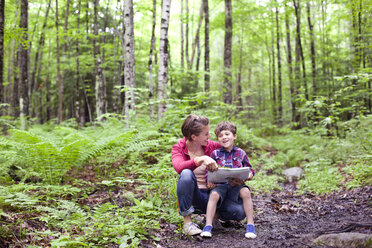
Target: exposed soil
284 219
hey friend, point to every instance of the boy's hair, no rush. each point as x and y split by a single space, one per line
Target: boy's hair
225 125
193 124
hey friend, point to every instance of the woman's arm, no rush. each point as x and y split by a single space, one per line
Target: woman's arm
179 161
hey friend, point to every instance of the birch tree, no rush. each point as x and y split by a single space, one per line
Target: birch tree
163 56
129 62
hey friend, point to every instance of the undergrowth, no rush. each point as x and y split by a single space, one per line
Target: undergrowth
111 185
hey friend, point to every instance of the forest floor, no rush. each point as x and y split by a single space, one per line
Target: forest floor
284 219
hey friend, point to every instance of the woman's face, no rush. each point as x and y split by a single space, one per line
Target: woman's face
203 137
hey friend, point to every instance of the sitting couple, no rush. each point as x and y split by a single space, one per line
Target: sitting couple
195 154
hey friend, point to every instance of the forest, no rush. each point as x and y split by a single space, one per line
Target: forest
93 95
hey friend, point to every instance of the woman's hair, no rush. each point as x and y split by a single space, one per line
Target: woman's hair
225 125
193 124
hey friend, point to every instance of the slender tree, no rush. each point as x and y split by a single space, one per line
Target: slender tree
290 67
312 49
280 106
299 49
23 58
206 47
2 22
77 83
37 64
152 47
129 62
163 56
98 73
196 39
182 39
227 89
59 76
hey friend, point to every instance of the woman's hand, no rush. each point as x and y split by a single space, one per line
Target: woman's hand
209 162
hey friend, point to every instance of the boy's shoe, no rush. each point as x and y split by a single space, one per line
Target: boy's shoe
207 231
250 232
191 229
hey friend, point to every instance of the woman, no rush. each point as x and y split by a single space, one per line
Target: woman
190 157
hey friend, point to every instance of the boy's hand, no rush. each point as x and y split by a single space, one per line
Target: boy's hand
236 182
211 185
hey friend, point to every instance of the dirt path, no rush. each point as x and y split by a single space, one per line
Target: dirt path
286 220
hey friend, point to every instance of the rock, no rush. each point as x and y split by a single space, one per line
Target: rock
293 173
350 240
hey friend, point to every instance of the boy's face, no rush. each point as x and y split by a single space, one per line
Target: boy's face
226 138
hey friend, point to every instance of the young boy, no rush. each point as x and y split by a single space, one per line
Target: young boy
230 156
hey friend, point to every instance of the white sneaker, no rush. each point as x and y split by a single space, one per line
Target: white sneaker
191 229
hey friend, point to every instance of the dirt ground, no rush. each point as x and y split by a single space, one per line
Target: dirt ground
284 219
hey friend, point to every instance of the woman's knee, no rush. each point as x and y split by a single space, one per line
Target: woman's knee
187 175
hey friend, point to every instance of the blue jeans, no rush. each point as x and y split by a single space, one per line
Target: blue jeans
191 199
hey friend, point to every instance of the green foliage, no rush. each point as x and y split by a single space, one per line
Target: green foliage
320 177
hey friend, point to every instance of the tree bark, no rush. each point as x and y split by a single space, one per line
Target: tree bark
312 49
280 106
23 61
129 62
297 7
227 89
77 83
2 22
152 47
182 39
59 76
98 73
290 68
206 47
163 57
297 70
187 32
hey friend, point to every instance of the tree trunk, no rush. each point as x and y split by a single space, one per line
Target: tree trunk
77 83
187 32
60 83
227 92
98 73
280 107
152 47
23 62
129 62
196 39
2 22
297 70
273 87
290 68
12 74
312 49
34 85
163 57
206 47
238 95
297 7
182 39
